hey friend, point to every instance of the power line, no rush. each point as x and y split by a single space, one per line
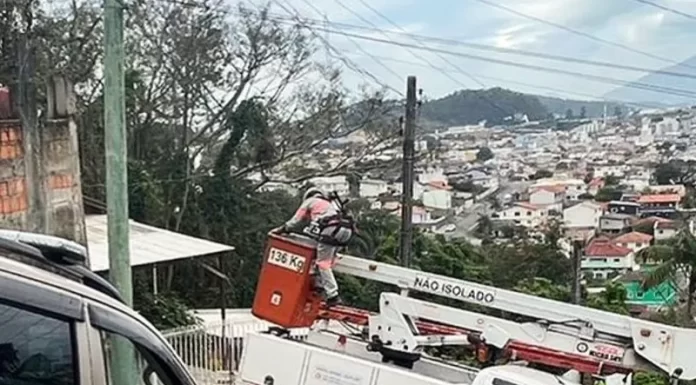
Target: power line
361 49
428 62
601 79
530 85
491 48
668 9
580 33
512 51
345 60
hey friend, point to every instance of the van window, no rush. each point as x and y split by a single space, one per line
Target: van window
500 381
148 370
35 348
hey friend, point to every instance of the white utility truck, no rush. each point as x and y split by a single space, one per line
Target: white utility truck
555 336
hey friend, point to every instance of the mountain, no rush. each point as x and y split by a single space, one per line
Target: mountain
496 104
472 106
652 98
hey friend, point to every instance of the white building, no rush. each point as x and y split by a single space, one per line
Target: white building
523 214
573 187
547 195
437 199
372 188
583 215
338 184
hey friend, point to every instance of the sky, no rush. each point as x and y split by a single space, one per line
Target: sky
626 22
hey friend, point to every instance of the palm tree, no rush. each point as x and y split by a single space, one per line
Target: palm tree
675 261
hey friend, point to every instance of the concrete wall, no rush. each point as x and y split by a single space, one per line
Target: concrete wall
40 186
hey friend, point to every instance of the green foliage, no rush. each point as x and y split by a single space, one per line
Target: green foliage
674 257
609 193
484 154
541 174
649 378
612 299
675 172
165 311
611 180
545 288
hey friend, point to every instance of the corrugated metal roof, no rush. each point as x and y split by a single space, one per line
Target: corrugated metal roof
148 244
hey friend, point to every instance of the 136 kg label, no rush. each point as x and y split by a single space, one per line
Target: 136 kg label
286 260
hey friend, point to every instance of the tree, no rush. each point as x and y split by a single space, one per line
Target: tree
676 262
676 172
612 299
611 180
583 112
617 112
484 154
569 114
540 174
606 194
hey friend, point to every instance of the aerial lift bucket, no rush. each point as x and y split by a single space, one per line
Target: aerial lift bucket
285 294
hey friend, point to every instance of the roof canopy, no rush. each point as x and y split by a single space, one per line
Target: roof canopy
148 244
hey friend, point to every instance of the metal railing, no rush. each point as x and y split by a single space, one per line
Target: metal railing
213 352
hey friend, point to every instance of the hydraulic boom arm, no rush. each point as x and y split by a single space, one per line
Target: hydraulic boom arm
617 340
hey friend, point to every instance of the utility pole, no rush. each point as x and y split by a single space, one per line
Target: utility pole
122 356
577 276
407 174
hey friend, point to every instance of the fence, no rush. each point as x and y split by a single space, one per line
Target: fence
213 352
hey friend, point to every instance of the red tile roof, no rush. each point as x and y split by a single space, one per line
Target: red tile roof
597 182
666 224
659 198
439 184
603 247
633 237
556 189
527 205
651 221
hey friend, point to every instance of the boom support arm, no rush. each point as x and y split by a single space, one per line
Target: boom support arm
665 347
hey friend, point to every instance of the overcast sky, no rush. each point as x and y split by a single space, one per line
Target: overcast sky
627 22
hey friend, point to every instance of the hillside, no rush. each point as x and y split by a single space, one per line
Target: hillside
495 104
472 106
634 95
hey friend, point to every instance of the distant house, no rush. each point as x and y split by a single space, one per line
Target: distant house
602 259
595 185
582 215
372 188
614 223
574 188
480 178
624 207
522 214
656 204
665 229
338 184
653 298
678 189
437 195
634 240
547 195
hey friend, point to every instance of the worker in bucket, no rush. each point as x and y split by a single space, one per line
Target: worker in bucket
322 218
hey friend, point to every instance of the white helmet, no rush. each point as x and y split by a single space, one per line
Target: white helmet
312 191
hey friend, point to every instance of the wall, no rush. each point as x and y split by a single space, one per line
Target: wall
40 188
582 215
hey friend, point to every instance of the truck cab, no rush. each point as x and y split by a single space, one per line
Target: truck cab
61 322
